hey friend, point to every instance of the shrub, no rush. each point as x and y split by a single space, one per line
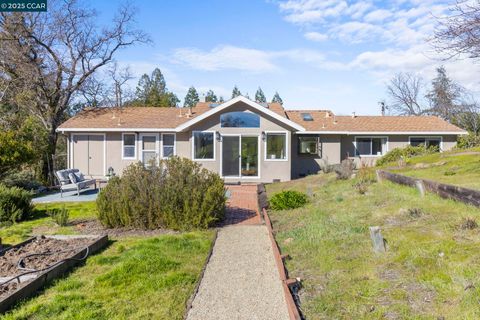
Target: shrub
469 224
15 204
177 194
405 153
22 179
345 170
59 216
468 141
365 176
288 200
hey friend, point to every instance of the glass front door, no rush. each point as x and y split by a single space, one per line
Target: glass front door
240 156
231 156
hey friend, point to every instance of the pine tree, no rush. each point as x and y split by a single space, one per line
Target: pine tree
260 96
152 91
276 98
444 96
221 100
236 92
191 98
143 89
211 97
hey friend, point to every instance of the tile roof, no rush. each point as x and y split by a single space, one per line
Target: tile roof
323 120
133 117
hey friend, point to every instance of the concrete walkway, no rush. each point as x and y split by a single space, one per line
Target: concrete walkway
241 280
69 196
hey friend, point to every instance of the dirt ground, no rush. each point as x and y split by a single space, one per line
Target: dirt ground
94 227
55 250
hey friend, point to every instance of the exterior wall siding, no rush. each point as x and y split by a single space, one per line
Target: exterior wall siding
269 170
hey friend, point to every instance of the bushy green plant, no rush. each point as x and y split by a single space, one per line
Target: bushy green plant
405 153
22 179
468 141
288 199
345 170
178 194
59 215
15 204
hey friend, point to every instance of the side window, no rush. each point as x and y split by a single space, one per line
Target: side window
203 145
168 145
129 146
276 148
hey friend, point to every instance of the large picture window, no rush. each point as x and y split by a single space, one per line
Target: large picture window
128 146
203 145
276 146
371 146
239 119
426 141
307 145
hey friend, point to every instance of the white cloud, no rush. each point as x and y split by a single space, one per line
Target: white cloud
398 23
316 36
377 15
225 57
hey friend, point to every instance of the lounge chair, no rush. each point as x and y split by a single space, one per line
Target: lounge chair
79 183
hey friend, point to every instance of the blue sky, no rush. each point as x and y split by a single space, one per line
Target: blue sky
318 54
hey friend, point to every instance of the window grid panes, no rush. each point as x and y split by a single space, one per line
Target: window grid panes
168 145
129 146
371 146
203 145
149 152
427 142
276 146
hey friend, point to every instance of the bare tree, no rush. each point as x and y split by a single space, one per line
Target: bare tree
405 94
51 55
119 77
459 33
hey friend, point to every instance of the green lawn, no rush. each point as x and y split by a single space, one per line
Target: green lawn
461 167
431 269
133 278
21 231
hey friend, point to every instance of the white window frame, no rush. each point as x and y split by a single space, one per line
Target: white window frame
135 146
140 140
427 137
214 145
174 144
371 137
287 137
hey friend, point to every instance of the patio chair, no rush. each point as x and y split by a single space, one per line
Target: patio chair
73 179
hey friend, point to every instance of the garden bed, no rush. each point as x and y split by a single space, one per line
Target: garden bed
28 266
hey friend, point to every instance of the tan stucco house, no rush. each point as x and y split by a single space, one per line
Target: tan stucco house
242 140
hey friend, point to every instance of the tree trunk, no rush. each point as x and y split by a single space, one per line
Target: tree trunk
48 171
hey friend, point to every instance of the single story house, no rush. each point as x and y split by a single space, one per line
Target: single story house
242 140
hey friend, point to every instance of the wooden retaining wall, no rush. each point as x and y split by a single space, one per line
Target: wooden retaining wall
448 191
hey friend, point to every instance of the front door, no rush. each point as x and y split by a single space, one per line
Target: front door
239 156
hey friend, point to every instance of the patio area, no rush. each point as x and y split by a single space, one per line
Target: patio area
70 196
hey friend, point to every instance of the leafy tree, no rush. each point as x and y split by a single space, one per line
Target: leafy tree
260 96
276 98
48 56
236 92
143 89
14 152
445 96
191 98
152 91
211 96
